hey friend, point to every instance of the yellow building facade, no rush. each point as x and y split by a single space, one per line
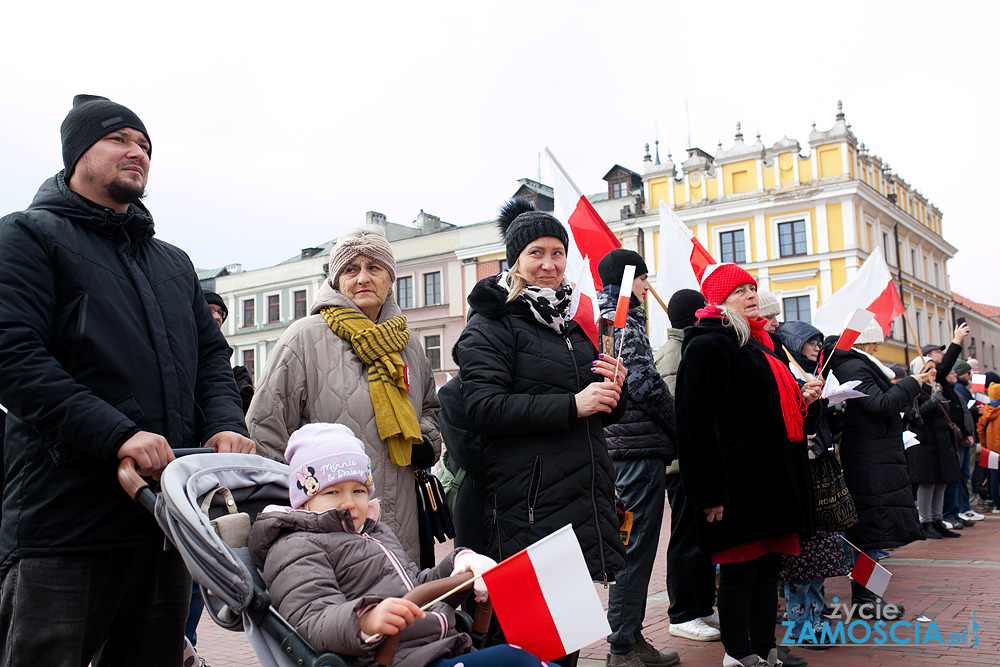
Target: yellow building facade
803 222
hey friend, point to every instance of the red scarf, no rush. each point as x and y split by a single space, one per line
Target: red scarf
792 405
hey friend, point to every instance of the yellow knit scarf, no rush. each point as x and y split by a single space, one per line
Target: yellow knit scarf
379 346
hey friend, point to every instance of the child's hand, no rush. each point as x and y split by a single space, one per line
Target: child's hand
390 616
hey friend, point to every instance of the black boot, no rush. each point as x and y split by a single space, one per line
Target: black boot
929 531
939 525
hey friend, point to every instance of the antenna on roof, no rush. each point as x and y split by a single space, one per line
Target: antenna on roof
539 166
688 114
656 134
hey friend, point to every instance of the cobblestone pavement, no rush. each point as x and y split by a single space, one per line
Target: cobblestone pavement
943 580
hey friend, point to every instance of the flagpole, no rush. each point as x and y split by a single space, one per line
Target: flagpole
916 335
427 605
658 299
788 354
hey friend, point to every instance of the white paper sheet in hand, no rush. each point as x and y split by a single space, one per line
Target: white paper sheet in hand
909 439
836 392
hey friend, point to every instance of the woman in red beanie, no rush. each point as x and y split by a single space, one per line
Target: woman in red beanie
740 428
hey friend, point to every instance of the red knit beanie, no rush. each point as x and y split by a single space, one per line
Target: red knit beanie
719 281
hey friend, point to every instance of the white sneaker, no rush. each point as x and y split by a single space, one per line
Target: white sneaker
712 620
947 524
972 515
695 629
995 511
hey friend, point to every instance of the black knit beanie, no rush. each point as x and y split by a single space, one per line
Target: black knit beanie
682 307
91 118
611 268
520 224
216 300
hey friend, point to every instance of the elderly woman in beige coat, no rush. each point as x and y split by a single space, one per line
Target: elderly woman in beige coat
352 361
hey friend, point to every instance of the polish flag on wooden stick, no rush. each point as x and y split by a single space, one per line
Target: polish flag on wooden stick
591 235
872 287
624 296
859 320
870 574
544 598
978 383
989 460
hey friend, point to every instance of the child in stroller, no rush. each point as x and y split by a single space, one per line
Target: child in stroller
338 574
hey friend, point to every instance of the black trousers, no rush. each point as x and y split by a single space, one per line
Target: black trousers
690 573
101 608
748 605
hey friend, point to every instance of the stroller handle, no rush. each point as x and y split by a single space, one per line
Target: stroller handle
132 481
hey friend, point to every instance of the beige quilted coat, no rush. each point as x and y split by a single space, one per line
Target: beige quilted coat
314 376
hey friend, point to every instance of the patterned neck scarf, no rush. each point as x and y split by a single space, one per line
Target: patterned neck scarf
550 307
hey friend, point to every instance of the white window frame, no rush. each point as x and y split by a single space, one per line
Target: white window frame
806 217
744 226
811 292
423 341
413 291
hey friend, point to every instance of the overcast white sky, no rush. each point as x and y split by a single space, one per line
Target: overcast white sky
276 126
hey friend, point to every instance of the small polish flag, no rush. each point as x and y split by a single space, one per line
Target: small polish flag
870 574
583 306
624 296
989 460
859 320
978 383
544 597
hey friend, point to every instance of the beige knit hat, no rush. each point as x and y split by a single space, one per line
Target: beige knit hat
871 334
369 241
768 304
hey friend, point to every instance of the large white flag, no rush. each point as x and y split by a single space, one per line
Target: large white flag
681 261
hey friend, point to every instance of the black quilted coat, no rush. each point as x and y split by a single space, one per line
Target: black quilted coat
544 466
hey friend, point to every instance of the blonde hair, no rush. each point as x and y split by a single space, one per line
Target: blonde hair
517 282
737 322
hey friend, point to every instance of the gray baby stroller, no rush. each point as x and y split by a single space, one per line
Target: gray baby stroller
235 595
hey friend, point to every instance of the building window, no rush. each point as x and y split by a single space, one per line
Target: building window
432 344
619 189
792 238
299 299
248 314
248 359
273 308
797 308
733 246
913 263
404 292
885 248
937 275
432 288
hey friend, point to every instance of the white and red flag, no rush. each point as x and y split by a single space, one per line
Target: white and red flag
624 296
870 574
544 597
871 288
859 320
989 460
591 235
681 261
978 384
583 307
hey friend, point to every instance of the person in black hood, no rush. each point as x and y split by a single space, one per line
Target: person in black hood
539 397
108 350
803 343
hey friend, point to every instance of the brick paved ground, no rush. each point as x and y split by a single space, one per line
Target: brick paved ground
944 580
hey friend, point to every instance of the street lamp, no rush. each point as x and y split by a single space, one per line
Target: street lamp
972 349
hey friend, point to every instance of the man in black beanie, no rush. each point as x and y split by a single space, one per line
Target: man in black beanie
108 350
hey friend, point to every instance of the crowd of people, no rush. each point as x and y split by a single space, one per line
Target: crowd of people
110 349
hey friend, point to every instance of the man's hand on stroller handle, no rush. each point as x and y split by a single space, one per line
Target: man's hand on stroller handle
151 453
390 616
231 442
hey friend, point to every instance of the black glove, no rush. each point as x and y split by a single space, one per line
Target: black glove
423 455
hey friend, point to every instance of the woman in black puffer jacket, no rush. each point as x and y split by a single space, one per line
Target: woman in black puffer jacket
539 398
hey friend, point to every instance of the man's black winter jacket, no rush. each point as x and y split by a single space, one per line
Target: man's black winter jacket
104 332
